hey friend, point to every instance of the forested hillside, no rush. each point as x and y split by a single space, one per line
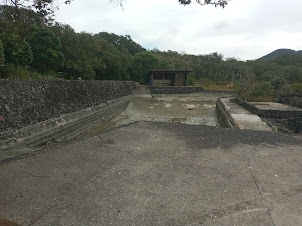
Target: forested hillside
279 53
34 48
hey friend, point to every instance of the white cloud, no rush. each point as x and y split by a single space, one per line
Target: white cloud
246 29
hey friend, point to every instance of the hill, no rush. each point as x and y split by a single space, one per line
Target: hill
280 52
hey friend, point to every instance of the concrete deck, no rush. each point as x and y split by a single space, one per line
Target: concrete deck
154 173
242 118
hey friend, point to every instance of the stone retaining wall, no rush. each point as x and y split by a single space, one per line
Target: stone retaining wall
288 121
291 99
27 102
37 112
64 127
174 89
269 113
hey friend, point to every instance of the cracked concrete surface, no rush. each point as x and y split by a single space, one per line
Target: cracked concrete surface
157 173
195 109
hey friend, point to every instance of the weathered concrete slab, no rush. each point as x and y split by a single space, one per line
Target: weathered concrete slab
240 117
159 174
198 109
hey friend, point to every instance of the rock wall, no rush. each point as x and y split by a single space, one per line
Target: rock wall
174 89
288 121
291 99
28 102
269 113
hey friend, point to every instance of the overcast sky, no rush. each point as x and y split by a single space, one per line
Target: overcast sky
245 29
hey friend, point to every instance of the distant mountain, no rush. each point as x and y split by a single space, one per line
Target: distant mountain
280 52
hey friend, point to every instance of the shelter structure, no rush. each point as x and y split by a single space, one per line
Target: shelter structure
168 77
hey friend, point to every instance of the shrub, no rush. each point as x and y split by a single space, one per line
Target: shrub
14 72
297 87
191 79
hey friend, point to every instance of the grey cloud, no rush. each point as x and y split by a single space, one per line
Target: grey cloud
246 28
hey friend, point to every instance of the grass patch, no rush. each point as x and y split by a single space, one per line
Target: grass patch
233 100
208 84
297 87
263 99
220 87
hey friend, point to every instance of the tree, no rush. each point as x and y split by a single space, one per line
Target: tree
141 64
245 80
122 42
16 51
46 48
293 73
18 21
117 62
81 61
2 58
43 8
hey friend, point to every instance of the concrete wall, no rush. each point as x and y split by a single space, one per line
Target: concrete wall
174 89
223 116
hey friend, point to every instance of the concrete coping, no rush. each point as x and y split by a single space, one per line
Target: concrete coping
241 118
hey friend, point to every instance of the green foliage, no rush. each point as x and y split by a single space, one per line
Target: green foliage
285 60
44 9
261 89
297 87
293 73
141 64
35 75
264 70
26 40
2 58
117 62
122 42
16 51
18 21
80 61
164 64
191 79
244 79
94 57
14 72
279 53
46 48
277 82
